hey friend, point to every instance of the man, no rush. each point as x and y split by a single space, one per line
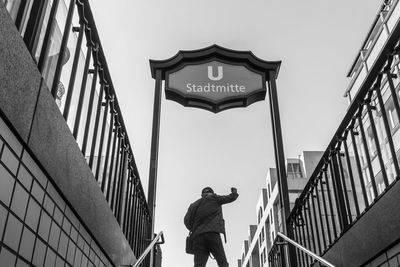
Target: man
204 219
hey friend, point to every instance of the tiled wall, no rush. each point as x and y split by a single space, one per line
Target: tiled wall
37 226
390 258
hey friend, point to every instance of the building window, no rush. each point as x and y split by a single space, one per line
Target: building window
260 214
294 170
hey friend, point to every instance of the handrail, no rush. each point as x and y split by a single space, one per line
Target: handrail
297 245
148 249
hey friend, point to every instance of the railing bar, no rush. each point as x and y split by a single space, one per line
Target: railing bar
310 219
89 113
356 155
301 239
377 145
82 92
328 191
122 184
107 155
101 141
388 131
110 173
115 182
72 78
130 210
304 235
367 156
127 203
328 228
337 190
313 255
320 214
63 47
393 91
350 172
96 126
297 239
45 47
315 220
307 231
342 179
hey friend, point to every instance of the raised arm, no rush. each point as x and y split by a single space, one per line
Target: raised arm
228 198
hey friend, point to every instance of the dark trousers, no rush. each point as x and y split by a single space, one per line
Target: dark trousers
207 243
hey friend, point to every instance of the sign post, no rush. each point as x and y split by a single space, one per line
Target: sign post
216 79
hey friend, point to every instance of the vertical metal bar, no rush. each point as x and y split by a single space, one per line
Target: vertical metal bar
342 179
110 172
328 191
325 209
337 190
45 48
393 91
127 202
317 236
305 258
57 73
110 133
320 215
131 207
280 160
351 177
96 126
35 22
297 240
360 174
306 224
101 141
310 223
116 180
368 158
134 218
20 15
90 108
377 145
301 241
122 183
71 84
388 131
154 147
82 92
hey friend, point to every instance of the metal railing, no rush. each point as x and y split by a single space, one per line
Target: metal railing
81 85
360 164
150 249
279 248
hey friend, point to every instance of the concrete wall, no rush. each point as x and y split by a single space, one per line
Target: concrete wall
374 232
27 104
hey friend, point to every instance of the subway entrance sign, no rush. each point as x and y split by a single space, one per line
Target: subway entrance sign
215 85
215 78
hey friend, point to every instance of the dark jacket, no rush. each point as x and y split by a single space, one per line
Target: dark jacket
208 217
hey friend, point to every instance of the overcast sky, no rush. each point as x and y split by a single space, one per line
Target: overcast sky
317 41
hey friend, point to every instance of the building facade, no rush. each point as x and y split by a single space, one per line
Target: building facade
70 191
262 234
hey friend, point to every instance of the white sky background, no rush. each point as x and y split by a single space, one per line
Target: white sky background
317 41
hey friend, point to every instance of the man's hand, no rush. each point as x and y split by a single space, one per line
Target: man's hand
233 190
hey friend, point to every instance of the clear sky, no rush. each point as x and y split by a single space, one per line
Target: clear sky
317 41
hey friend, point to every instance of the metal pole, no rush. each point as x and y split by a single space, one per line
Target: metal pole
280 160
154 153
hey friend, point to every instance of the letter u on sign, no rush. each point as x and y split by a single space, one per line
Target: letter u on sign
211 73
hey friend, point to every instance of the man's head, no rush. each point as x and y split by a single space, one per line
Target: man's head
207 190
